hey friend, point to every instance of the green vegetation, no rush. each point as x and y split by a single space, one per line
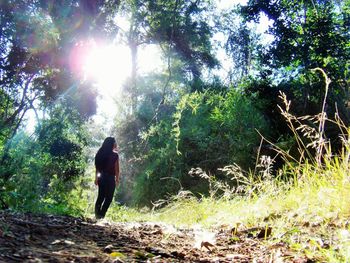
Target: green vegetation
208 130
309 214
43 172
194 135
309 211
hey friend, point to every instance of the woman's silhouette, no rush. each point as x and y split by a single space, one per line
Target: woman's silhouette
106 176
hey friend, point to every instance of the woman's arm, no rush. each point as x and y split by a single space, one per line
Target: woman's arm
117 172
96 177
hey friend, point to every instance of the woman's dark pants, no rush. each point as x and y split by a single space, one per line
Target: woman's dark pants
106 187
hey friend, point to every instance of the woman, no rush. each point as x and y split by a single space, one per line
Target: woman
106 176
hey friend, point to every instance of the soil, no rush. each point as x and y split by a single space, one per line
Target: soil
52 238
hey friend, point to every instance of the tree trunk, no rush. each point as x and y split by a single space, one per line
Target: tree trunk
133 81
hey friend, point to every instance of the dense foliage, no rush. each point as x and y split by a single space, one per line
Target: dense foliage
207 130
37 75
184 116
307 35
39 175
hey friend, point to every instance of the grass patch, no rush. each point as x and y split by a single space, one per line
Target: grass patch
311 214
309 211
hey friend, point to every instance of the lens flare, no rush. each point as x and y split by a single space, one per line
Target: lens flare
107 65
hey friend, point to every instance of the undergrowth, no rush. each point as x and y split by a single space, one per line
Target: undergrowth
306 204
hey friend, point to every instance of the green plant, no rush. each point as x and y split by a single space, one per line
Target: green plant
208 130
305 205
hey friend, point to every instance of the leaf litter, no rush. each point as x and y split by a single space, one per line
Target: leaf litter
50 238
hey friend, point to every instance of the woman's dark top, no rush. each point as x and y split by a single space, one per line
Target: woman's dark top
110 164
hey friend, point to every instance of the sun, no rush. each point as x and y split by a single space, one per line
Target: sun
108 66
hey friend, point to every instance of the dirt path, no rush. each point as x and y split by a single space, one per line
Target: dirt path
48 238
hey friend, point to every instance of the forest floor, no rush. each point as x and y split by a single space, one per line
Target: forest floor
52 238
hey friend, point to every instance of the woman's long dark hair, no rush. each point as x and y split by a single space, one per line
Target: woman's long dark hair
102 154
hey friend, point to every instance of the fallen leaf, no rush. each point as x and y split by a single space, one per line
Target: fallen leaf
144 256
57 241
117 255
207 245
68 242
157 232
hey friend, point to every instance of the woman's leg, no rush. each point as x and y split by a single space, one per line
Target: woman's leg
100 198
109 192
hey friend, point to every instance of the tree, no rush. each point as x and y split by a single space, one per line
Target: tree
179 27
37 41
240 43
183 34
307 34
183 28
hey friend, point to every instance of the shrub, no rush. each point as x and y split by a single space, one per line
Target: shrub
208 130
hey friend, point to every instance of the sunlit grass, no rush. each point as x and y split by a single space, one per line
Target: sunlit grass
317 198
308 212
310 215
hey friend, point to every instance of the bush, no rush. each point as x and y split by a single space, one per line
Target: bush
208 130
44 172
